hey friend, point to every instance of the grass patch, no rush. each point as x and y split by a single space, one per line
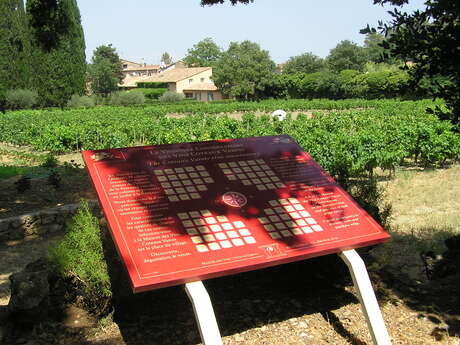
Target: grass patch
9 171
425 204
12 157
79 255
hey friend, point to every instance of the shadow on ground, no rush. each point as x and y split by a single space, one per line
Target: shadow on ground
431 290
241 302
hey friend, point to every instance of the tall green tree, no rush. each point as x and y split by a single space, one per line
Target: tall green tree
105 70
102 79
430 40
347 55
374 49
166 58
244 70
203 54
58 51
305 63
108 52
14 47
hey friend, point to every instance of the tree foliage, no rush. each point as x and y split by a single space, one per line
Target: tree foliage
243 71
430 40
105 70
203 54
346 55
59 69
305 63
109 53
14 48
374 48
49 21
102 78
166 58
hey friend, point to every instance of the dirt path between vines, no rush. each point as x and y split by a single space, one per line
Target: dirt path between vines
239 115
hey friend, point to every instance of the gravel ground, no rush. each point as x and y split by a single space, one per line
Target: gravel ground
311 302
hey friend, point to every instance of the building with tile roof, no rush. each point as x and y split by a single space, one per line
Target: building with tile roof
139 69
193 82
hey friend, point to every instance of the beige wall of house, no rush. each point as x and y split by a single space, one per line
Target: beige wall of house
172 87
204 96
203 77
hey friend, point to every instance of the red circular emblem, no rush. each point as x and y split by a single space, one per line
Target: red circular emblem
234 199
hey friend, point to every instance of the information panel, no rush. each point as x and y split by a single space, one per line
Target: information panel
192 211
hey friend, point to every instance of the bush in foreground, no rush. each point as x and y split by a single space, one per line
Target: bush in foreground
170 96
21 99
79 255
127 98
77 101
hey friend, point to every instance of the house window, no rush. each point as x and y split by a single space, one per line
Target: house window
210 96
188 94
198 96
190 81
125 66
202 80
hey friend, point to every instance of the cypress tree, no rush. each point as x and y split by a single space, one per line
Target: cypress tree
58 50
14 47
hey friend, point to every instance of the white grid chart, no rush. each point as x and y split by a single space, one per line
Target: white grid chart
288 218
252 172
211 232
184 183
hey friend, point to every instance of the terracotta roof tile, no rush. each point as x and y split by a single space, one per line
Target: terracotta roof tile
131 81
142 68
176 74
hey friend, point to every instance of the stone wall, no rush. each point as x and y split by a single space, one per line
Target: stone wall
38 223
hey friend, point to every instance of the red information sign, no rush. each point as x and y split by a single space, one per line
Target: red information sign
193 211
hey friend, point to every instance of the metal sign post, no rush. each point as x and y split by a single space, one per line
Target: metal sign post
366 297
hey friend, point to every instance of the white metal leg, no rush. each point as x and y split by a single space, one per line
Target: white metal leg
204 313
367 297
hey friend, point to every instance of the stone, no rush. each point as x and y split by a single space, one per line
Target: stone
30 290
55 228
48 219
16 233
16 223
27 218
32 228
5 233
67 209
4 225
60 219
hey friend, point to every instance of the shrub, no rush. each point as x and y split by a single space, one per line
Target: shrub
50 161
79 255
152 85
77 101
170 96
153 93
21 99
127 98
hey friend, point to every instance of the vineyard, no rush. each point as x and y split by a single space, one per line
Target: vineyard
351 139
348 138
